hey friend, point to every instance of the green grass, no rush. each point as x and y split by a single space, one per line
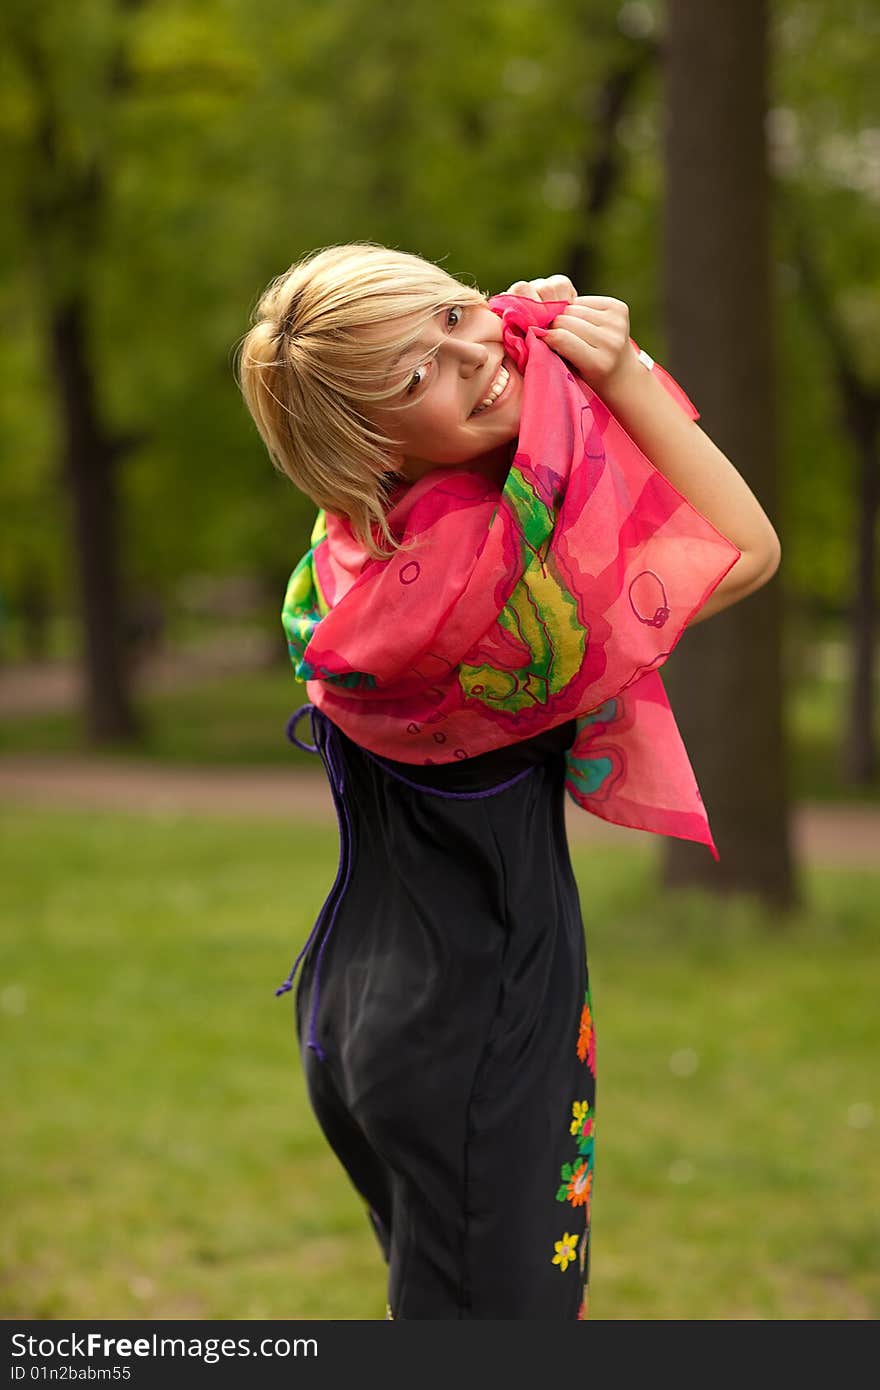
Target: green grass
161 1161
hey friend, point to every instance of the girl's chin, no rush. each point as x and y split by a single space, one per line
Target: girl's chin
506 428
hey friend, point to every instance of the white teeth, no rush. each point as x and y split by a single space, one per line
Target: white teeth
495 390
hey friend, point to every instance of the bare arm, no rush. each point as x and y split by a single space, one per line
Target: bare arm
699 470
593 335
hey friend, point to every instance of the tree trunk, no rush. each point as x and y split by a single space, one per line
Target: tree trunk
725 679
859 751
90 458
64 199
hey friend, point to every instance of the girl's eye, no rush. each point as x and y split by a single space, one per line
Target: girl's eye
415 380
418 375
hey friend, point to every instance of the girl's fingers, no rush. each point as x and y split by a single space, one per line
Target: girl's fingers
560 287
593 343
602 302
524 289
580 313
570 344
554 287
586 324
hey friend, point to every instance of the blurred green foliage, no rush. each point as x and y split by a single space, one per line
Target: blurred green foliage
247 135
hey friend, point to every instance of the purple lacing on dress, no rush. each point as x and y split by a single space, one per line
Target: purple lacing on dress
323 732
327 744
449 796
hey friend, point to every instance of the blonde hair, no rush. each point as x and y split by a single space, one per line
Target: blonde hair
308 373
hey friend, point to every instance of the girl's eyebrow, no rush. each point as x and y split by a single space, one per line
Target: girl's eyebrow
404 352
418 348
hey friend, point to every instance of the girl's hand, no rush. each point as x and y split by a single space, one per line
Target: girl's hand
556 287
593 335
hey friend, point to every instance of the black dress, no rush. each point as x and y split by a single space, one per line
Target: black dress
444 1019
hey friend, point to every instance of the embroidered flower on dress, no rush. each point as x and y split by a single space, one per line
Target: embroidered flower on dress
585 1149
577 1177
577 1183
566 1251
582 1127
586 1044
580 1109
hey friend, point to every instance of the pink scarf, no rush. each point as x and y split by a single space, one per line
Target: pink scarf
556 597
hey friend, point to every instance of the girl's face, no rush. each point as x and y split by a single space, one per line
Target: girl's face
467 398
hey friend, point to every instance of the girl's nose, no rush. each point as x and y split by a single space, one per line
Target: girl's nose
472 357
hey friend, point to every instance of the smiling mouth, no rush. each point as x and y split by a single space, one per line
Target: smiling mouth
497 391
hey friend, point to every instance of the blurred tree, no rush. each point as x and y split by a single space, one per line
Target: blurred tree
726 679
64 165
